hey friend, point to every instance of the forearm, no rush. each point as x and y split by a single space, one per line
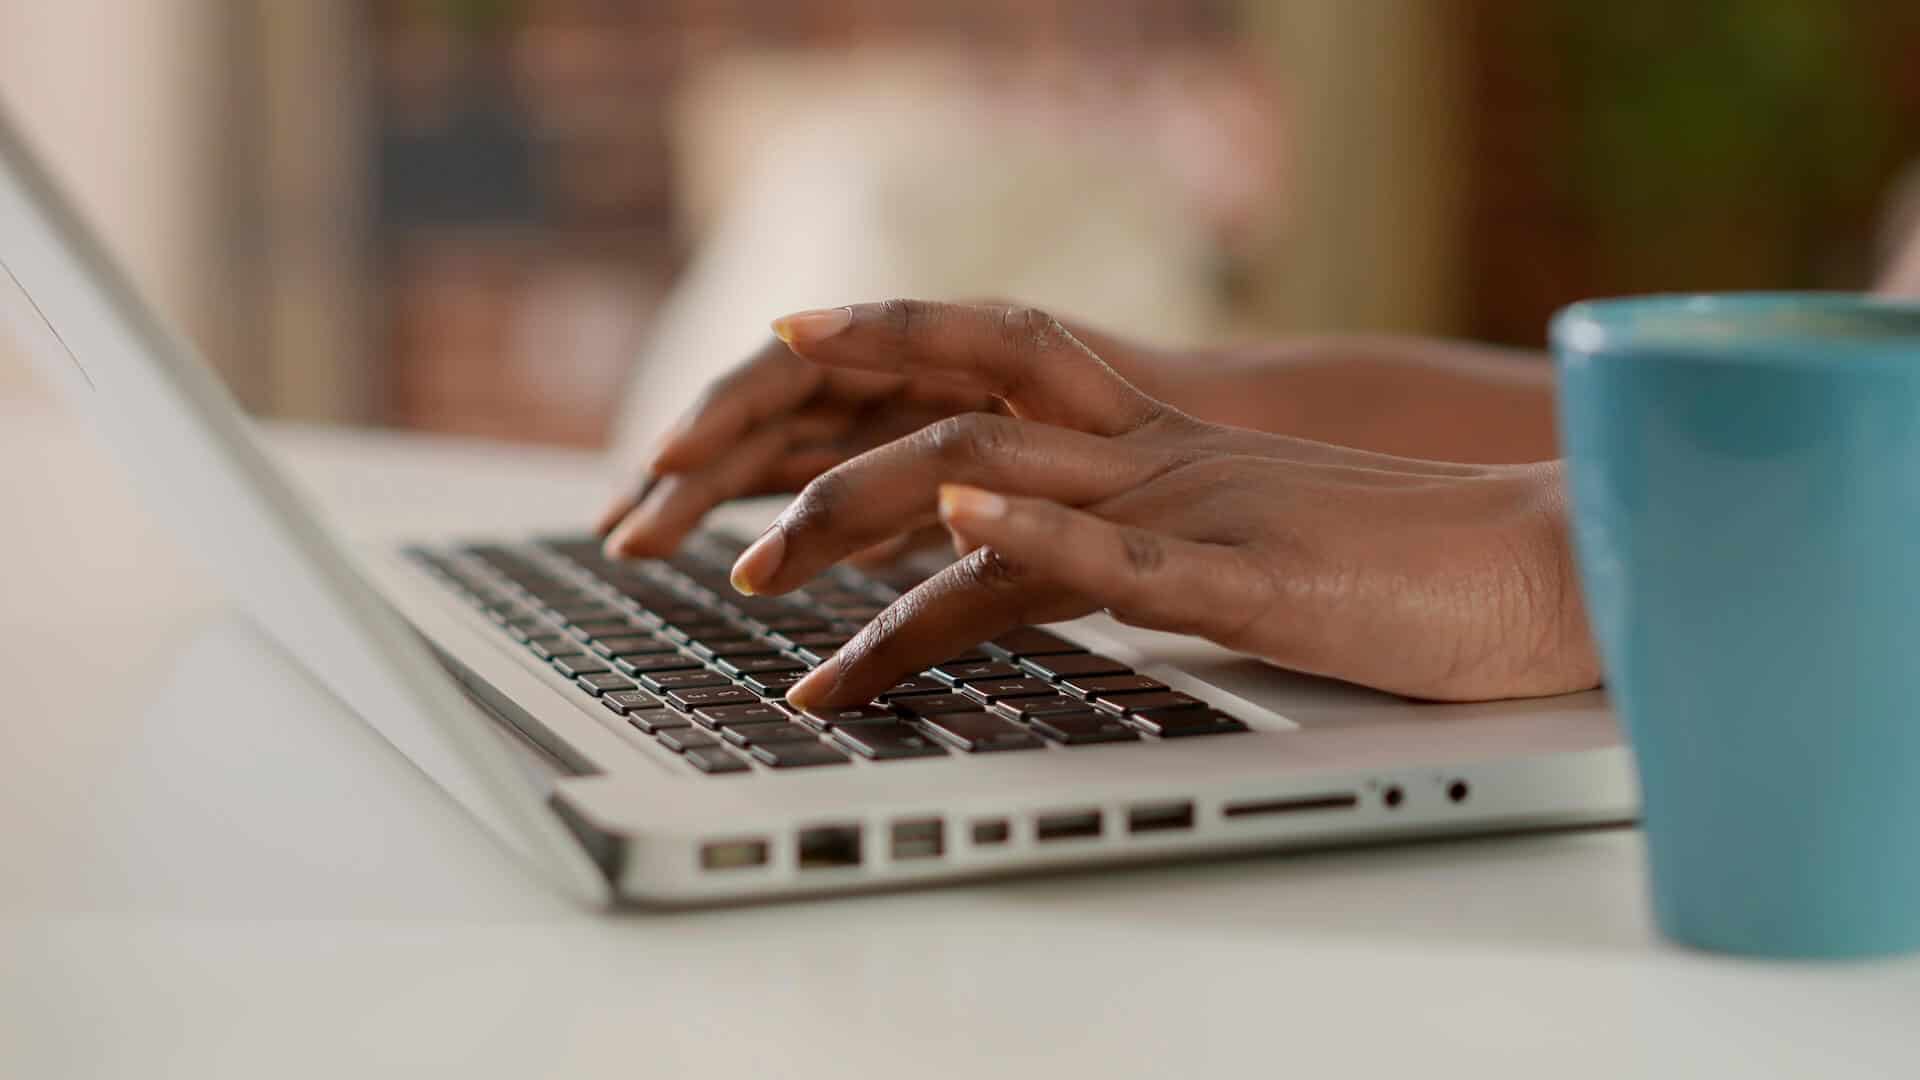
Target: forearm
1903 277
1412 397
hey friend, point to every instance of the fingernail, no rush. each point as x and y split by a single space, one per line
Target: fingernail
810 691
759 562
963 502
806 328
614 546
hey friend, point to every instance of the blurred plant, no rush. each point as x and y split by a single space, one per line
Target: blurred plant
478 18
1749 122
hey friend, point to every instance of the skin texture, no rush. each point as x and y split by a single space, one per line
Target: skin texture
1435 580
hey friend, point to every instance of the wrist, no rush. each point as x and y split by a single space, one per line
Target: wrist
1565 654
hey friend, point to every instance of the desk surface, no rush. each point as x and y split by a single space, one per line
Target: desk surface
211 870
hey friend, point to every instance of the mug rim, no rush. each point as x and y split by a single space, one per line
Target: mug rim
1610 327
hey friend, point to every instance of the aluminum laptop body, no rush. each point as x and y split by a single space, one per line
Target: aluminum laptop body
606 807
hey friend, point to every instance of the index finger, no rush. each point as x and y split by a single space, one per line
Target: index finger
970 601
1020 355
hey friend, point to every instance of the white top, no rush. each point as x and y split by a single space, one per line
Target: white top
212 870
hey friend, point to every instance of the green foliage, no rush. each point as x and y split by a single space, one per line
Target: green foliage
1716 106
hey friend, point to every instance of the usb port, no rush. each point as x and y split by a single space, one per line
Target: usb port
1067 825
923 839
827 846
733 854
1160 817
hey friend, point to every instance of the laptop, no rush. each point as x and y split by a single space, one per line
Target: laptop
621 724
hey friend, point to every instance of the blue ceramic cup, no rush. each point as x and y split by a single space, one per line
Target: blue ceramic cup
1745 472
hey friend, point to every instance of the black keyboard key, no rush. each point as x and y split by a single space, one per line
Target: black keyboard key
656 721
700 630
828 718
999 689
919 684
527 628
583 613
677 613
763 734
630 701
1155 702
599 628
1178 723
1026 708
548 646
1106 686
887 740
697 697
827 595
715 759
580 664
682 739
980 733
1031 641
798 755
815 655
662 681
975 671
1075 665
773 683
796 623
709 648
655 663
971 656
642 619
754 665
935 704
832 639
633 645
751 712
1084 726
602 683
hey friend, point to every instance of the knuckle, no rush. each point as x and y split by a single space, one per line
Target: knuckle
987 568
1030 329
820 501
971 437
1143 552
903 316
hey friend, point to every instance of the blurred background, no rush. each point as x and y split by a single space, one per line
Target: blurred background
552 220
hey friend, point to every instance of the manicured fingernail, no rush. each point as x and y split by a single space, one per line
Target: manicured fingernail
810 691
970 503
759 562
805 328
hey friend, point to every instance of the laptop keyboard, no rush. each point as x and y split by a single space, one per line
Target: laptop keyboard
667 645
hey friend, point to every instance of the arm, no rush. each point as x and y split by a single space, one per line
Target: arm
1412 397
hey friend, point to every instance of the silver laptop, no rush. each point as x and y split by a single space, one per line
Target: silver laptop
620 724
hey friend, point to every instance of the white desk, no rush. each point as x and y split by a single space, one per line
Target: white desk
210 871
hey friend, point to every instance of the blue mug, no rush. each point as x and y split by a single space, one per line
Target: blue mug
1745 474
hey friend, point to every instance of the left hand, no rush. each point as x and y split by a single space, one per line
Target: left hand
1423 578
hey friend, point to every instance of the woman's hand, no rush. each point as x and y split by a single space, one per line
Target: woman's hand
1432 580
